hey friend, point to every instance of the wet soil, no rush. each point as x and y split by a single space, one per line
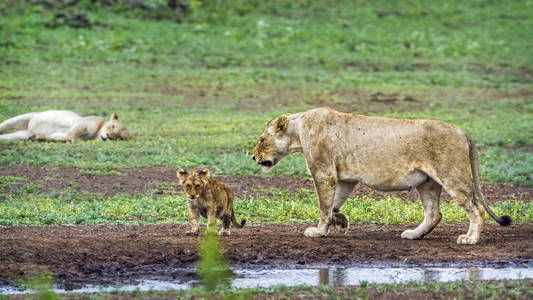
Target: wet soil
150 179
102 254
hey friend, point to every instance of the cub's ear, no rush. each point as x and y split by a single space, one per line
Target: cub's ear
114 117
182 175
204 173
280 125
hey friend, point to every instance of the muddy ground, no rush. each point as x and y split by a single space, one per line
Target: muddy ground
103 254
148 179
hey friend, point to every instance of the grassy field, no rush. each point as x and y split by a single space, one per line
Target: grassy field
198 93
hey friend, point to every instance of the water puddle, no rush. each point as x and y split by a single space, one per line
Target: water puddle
314 276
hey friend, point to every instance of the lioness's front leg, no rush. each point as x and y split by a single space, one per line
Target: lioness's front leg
339 221
325 189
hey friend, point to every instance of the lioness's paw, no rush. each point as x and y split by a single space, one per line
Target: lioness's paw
192 232
313 232
411 235
466 240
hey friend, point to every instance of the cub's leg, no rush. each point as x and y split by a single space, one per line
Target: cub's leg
211 217
226 224
339 221
17 135
325 185
195 217
429 192
18 122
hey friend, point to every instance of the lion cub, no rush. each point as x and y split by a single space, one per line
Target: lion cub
210 198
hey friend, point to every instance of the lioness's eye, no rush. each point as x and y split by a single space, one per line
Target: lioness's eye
188 186
261 141
197 186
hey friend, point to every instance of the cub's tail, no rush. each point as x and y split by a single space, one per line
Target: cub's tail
235 221
474 164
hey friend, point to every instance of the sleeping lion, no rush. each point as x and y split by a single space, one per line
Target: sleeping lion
386 154
62 126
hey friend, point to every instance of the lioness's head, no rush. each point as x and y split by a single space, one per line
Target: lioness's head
273 144
193 182
113 130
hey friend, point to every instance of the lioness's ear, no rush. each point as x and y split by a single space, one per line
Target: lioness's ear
204 173
182 175
114 117
281 123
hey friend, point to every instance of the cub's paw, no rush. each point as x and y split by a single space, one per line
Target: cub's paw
340 222
192 233
466 240
224 233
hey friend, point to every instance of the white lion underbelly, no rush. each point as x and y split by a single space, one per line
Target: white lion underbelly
390 181
47 123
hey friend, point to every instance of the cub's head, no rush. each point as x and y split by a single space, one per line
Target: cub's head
113 130
273 143
193 182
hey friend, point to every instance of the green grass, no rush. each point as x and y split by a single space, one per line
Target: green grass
70 207
200 92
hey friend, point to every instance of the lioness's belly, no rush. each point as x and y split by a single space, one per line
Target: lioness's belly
47 123
387 182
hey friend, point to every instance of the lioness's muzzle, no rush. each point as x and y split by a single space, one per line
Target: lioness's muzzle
266 163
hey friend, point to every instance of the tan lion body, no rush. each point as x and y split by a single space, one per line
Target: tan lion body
386 154
62 126
209 198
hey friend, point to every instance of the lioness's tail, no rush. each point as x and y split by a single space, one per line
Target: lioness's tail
474 164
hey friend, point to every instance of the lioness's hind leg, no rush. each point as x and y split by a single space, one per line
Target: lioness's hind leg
429 192
475 213
18 122
17 135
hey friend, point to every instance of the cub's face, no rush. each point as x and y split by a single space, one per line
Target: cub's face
272 144
113 130
193 182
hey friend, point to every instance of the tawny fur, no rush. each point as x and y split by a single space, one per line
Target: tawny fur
62 126
209 198
386 154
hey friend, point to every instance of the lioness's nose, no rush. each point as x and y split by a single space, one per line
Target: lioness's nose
253 157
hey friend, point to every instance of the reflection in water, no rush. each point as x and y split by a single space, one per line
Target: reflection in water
354 276
248 278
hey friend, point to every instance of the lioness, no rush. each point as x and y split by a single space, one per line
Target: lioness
62 126
386 154
210 198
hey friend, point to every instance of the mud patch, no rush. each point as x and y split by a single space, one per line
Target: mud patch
103 254
162 179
